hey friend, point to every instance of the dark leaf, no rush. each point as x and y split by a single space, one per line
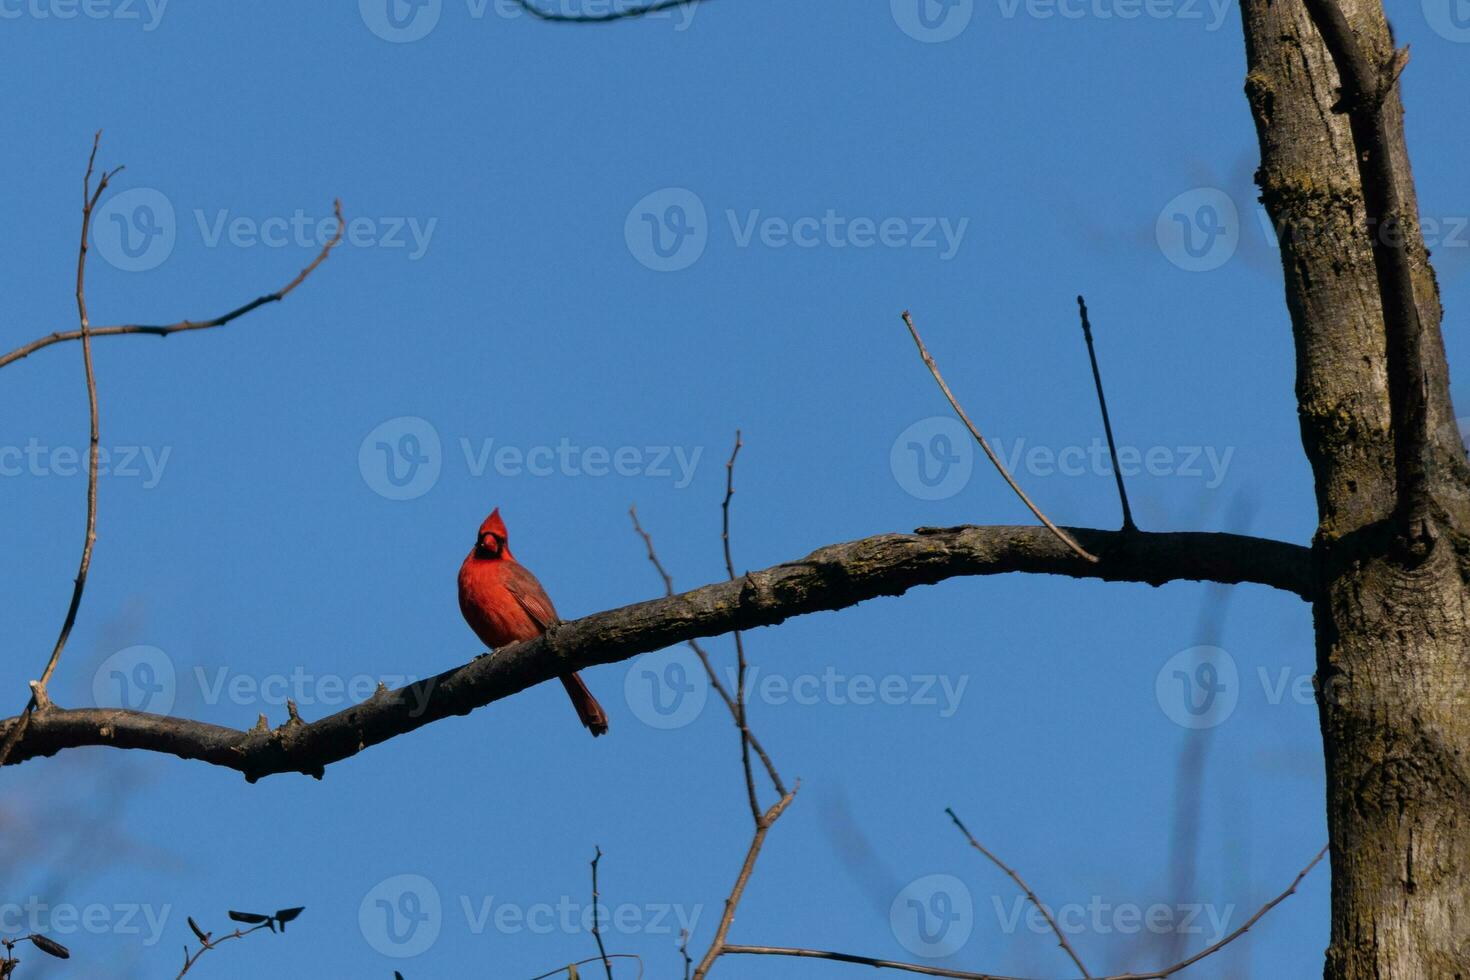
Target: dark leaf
284 916
203 936
397 975
250 917
51 946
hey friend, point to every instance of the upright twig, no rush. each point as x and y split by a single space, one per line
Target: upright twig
718 947
1367 85
596 928
763 820
740 665
1063 536
39 700
1030 895
704 658
1102 402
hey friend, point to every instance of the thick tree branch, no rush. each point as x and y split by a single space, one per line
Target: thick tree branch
830 578
1366 86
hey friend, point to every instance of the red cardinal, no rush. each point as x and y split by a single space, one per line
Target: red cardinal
503 603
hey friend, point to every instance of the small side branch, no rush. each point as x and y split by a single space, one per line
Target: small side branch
1030 895
1102 402
596 926
164 330
1062 536
932 971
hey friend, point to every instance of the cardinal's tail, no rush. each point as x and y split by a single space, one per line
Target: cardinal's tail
587 707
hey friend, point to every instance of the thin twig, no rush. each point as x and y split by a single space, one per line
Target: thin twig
602 18
1031 895
763 826
940 972
740 665
593 959
1216 947
1063 536
39 700
684 952
823 954
207 944
186 325
1102 402
596 929
704 658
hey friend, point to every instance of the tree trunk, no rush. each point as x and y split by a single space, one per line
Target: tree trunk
1393 630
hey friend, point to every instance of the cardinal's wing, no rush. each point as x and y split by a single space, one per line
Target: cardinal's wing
522 585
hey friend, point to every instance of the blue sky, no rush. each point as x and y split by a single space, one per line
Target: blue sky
504 321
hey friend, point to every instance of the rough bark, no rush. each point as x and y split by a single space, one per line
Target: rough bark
1393 629
833 577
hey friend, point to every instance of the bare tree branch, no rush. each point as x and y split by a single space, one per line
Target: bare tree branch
933 971
186 325
704 659
611 16
1102 402
1366 86
596 927
833 577
1031 895
38 699
990 453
